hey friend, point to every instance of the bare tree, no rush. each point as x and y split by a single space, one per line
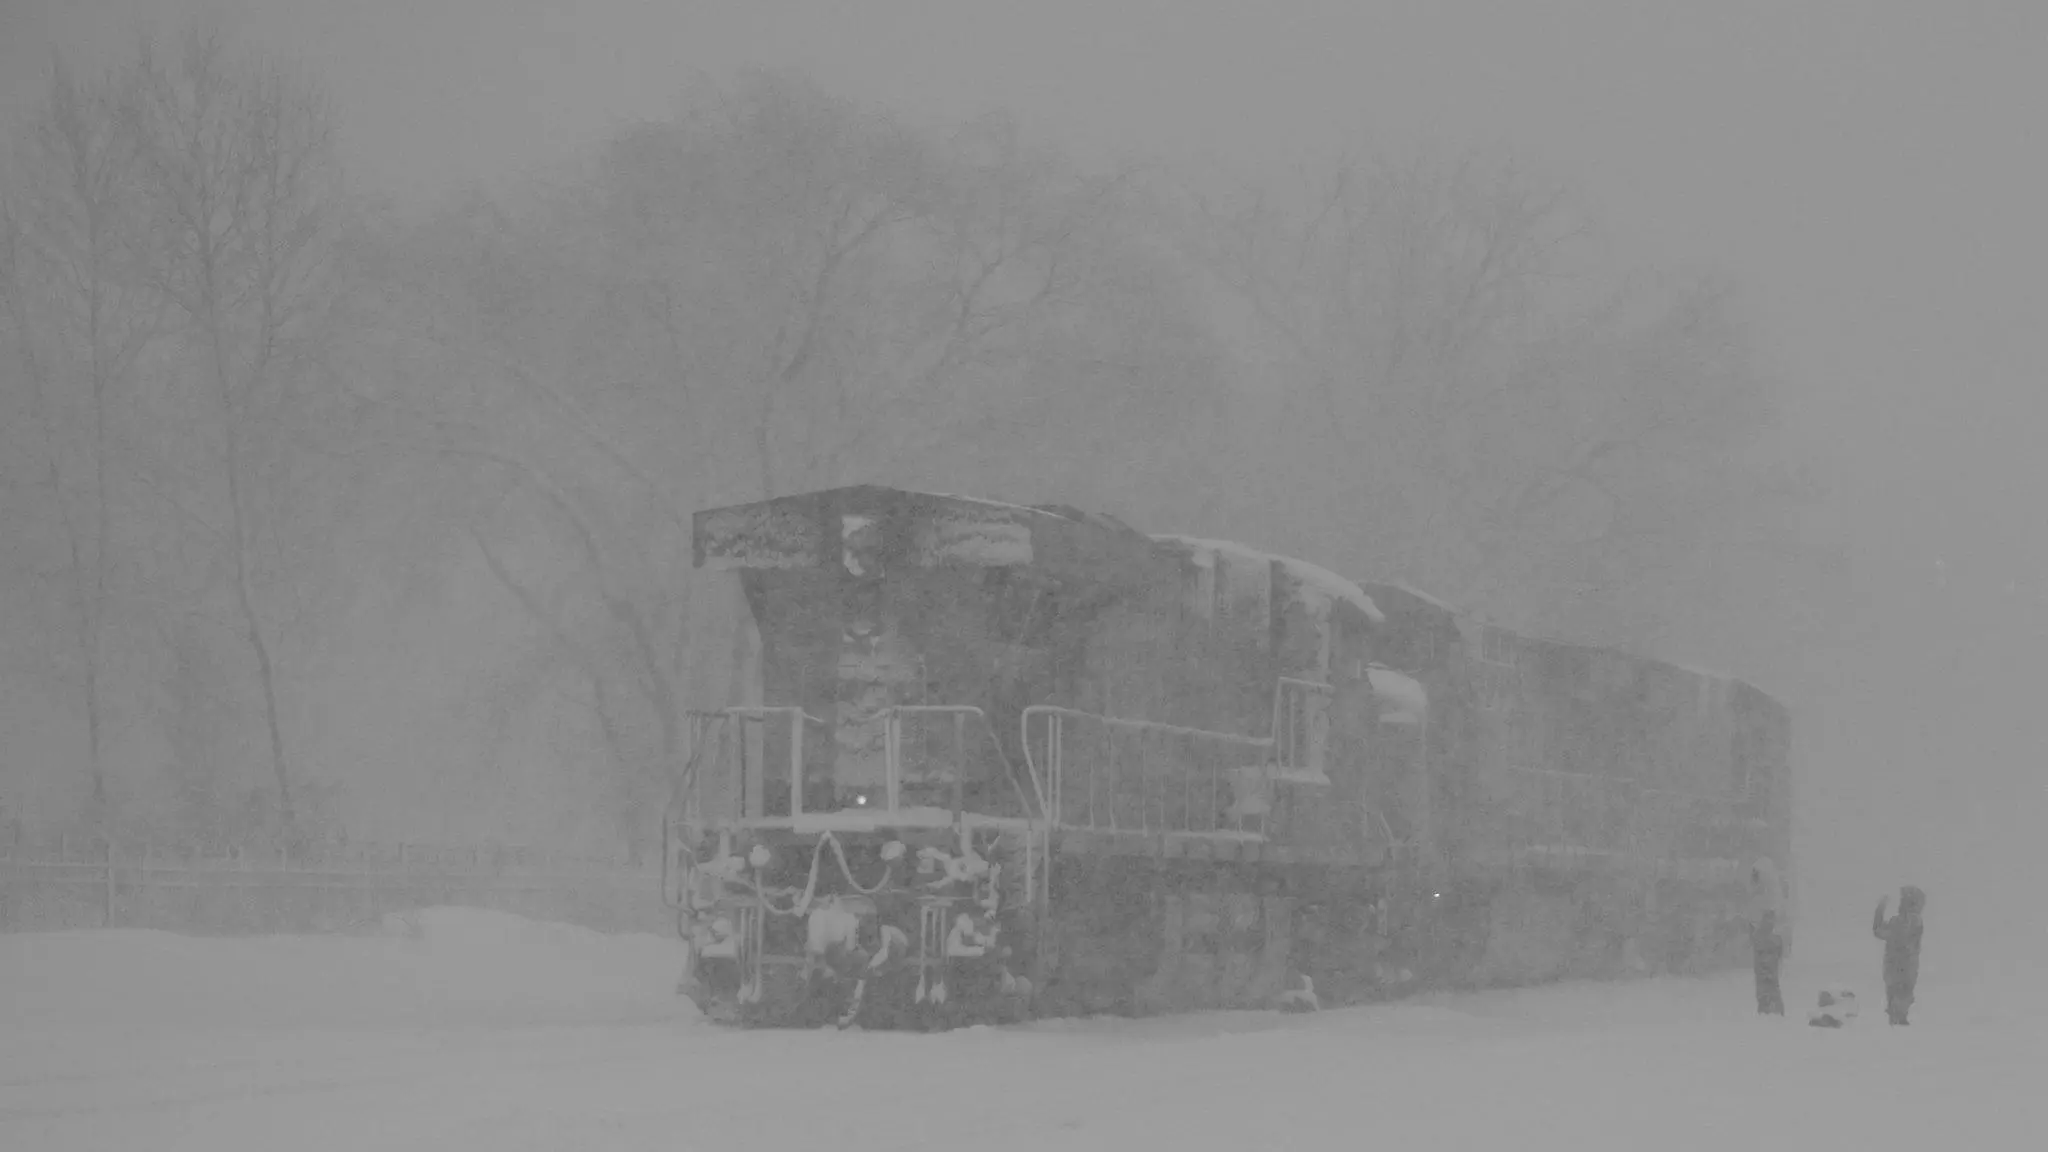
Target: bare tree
1490 409
774 290
78 314
853 292
238 161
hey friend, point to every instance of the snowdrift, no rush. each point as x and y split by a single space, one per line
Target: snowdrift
453 1028
465 967
434 967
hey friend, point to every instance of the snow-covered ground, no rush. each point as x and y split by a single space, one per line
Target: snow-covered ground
459 1029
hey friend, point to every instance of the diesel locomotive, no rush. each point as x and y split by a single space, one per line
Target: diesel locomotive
977 761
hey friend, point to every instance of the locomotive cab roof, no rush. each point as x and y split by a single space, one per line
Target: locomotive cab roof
1056 543
857 525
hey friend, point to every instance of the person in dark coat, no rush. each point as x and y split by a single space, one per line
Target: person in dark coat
1767 947
1901 936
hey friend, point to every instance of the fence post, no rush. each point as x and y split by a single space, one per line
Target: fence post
108 920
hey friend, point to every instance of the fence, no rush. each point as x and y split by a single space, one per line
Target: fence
91 886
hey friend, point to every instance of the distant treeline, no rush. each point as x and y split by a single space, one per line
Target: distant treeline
317 515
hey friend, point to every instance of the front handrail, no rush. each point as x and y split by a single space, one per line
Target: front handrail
752 796
751 800
894 780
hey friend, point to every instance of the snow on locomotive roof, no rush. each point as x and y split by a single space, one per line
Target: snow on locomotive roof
1419 594
1702 673
1312 576
982 501
1410 700
1705 674
993 504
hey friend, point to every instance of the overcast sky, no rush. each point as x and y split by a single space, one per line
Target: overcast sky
1874 174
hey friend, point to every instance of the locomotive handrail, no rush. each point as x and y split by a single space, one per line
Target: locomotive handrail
893 781
759 711
1394 843
1147 725
1054 773
1731 798
1288 751
670 894
1708 797
683 808
892 717
749 785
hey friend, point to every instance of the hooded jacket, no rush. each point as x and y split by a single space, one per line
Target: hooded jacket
1767 894
1901 936
1767 945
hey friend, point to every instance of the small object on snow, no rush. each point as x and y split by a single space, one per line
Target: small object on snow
1837 1009
895 944
831 925
966 939
728 868
716 940
1302 999
849 1015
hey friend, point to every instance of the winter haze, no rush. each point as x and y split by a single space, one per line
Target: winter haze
1865 180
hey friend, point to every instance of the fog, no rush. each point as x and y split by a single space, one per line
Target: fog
1866 176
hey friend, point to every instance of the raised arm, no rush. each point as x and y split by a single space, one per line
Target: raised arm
1877 924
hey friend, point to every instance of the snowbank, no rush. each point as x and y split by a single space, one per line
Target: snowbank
437 966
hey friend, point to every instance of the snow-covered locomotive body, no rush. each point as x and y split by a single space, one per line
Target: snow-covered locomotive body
1594 813
977 759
